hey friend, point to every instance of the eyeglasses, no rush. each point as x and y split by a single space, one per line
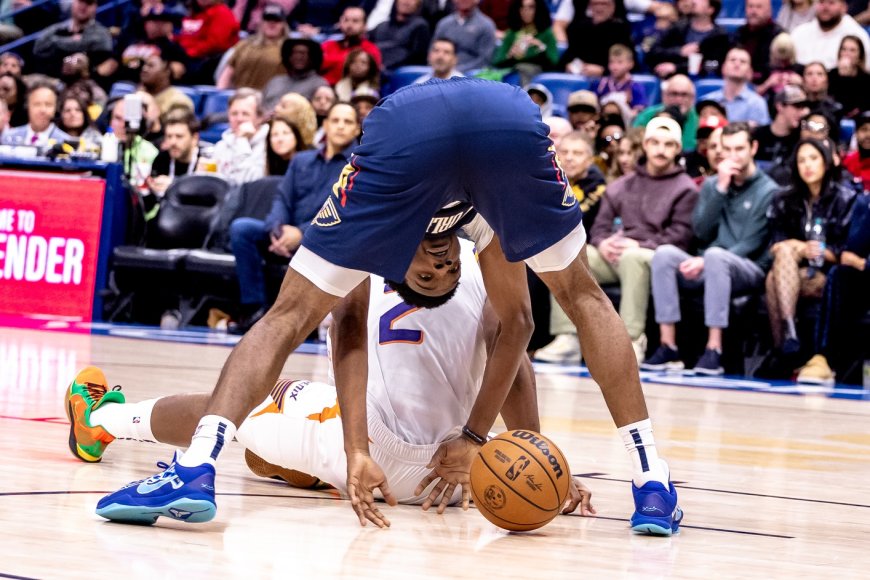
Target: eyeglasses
616 137
679 94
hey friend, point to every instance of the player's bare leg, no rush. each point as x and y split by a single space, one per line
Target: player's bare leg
612 364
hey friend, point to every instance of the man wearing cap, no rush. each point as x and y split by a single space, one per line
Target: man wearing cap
257 59
858 162
741 102
654 204
82 33
583 112
157 24
777 140
364 100
730 220
679 91
302 58
353 27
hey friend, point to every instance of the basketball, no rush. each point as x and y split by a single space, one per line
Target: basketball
519 480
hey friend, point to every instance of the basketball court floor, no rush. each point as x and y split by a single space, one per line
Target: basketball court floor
774 482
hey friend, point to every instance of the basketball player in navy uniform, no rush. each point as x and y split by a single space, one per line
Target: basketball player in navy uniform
425 370
476 153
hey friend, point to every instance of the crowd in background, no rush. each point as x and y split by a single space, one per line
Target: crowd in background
749 191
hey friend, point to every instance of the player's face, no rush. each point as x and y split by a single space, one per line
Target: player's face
435 269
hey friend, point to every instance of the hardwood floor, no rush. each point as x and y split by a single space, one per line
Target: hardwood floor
773 486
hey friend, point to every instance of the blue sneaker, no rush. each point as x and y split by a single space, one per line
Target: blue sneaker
181 493
709 364
656 510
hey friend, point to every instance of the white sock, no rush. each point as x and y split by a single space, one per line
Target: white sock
641 446
208 440
127 421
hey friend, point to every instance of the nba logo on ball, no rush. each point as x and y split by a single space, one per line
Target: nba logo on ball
519 480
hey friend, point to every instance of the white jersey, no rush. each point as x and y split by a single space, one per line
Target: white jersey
426 365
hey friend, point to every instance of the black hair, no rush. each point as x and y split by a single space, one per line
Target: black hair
825 149
716 5
414 298
542 21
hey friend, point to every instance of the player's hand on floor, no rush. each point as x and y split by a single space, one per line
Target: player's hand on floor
451 467
579 495
364 475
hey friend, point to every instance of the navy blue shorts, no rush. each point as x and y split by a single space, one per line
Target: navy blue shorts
427 145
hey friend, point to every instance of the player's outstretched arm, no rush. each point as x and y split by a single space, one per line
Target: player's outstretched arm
508 293
520 409
349 336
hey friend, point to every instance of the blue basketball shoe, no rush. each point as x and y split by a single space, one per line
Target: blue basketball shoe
181 493
655 509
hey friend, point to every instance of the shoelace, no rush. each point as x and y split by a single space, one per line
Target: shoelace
97 391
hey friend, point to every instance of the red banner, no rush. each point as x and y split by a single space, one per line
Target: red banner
49 243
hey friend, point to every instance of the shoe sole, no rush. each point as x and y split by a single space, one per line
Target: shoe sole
195 511
74 448
709 372
671 366
657 526
262 468
817 382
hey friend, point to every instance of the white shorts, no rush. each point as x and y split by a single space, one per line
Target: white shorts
299 427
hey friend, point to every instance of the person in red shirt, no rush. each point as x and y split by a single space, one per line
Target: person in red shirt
353 26
858 162
209 31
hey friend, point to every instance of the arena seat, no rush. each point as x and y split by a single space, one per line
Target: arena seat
121 88
402 77
561 85
194 94
651 86
847 130
216 102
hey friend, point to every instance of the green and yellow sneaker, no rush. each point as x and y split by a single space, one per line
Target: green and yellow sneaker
85 394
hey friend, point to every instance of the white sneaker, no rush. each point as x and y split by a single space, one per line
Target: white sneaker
639 346
564 349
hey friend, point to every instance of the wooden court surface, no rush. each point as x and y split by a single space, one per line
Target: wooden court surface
773 486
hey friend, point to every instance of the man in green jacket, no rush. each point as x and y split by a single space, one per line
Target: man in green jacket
730 222
680 92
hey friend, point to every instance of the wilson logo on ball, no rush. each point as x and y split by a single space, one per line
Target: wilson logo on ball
543 447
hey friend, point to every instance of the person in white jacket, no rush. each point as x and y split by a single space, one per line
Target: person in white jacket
241 152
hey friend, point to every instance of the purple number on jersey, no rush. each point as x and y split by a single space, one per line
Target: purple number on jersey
389 335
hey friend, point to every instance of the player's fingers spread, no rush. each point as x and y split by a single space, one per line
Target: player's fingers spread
466 495
445 499
425 482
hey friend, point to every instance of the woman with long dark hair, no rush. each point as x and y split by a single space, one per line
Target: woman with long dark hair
74 120
14 92
282 142
816 196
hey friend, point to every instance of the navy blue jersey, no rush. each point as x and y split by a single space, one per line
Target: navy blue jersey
427 146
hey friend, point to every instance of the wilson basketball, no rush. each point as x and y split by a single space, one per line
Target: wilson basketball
519 480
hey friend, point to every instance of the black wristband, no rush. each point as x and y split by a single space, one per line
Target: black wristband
473 436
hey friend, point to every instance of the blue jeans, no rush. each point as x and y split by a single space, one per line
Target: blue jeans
250 244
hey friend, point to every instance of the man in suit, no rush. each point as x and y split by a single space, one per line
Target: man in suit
41 110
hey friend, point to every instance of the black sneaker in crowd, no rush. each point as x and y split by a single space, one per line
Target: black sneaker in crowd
709 364
663 359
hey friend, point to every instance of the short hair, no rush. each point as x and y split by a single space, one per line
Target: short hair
414 298
443 39
580 136
180 115
342 103
245 93
620 50
739 127
43 83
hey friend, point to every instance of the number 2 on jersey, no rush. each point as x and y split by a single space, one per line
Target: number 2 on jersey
389 335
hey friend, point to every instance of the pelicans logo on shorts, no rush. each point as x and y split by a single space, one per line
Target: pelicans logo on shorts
327 216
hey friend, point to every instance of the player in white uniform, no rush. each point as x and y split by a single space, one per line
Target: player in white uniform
425 370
